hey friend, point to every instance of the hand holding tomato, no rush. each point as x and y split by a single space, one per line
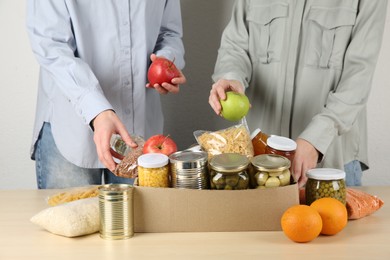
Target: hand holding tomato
164 76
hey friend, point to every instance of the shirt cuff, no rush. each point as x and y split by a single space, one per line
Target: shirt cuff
320 134
91 105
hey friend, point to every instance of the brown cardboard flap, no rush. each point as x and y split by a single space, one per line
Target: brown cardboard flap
186 210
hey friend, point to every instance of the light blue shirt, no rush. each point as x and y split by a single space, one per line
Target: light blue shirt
94 56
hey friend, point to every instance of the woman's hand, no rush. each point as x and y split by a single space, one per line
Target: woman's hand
172 87
105 125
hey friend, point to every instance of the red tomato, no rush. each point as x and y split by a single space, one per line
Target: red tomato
162 70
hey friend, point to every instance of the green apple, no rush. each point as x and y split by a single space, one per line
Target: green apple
235 106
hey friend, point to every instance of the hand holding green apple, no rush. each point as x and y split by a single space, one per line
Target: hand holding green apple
235 106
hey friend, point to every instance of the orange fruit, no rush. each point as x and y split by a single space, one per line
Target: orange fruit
301 223
333 213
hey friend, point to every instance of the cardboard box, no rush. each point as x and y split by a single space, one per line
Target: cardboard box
186 210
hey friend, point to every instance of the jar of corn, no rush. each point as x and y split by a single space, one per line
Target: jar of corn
153 170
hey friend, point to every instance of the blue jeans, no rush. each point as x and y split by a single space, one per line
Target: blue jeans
353 173
53 171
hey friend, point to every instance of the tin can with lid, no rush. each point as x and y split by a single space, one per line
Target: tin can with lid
228 171
153 170
270 170
189 170
325 182
116 211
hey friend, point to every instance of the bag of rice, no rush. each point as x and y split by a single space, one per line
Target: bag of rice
72 219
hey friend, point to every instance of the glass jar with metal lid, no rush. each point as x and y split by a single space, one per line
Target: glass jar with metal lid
325 182
270 170
228 171
189 170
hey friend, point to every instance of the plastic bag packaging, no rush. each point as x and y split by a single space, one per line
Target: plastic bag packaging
73 194
361 204
76 218
127 168
235 139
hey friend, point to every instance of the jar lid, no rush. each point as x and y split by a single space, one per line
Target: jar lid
270 162
229 162
188 156
325 174
281 143
152 160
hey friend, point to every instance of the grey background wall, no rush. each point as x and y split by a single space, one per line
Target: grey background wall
203 23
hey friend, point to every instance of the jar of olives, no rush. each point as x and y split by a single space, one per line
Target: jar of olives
325 182
270 170
228 171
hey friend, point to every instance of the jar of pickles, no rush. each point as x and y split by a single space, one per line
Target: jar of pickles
153 170
325 182
282 146
228 171
270 170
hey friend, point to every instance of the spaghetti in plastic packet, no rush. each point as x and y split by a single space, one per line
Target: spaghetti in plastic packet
235 139
73 194
127 168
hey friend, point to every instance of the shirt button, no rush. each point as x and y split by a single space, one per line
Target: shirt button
127 111
125 23
127 82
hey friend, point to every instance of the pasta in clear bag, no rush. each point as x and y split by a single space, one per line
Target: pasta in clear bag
234 139
73 194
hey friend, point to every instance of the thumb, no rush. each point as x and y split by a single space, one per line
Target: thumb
126 137
153 57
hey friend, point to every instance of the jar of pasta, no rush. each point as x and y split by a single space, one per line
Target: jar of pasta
153 170
270 170
228 171
282 146
325 182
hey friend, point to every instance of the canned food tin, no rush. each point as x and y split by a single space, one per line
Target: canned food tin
325 182
116 211
189 169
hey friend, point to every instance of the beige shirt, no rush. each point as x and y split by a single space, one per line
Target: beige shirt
307 67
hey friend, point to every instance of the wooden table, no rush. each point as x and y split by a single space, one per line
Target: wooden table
367 238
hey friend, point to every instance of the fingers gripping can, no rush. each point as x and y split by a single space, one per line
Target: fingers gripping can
116 211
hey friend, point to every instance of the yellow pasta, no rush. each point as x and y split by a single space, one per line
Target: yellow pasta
73 194
231 140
